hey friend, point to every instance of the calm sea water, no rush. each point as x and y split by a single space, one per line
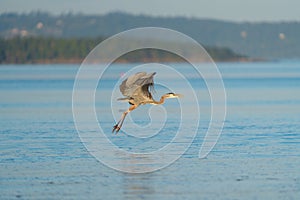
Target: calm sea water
256 157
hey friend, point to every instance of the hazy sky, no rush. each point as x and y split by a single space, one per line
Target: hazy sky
234 10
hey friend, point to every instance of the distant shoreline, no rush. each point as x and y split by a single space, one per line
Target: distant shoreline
79 61
275 40
30 50
124 60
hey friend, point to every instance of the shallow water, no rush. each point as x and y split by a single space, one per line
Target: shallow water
256 157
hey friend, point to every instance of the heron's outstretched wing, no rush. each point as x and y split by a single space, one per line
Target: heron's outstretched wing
137 84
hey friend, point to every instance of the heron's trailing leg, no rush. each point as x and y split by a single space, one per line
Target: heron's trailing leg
118 126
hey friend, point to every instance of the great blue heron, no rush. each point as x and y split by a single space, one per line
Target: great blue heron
136 91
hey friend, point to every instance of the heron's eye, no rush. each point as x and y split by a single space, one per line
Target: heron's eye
171 93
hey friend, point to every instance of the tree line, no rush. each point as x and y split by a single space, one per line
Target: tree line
38 50
256 39
74 50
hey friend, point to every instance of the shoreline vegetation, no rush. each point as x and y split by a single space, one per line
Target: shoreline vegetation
262 40
49 50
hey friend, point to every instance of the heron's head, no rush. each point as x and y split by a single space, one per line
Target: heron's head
172 95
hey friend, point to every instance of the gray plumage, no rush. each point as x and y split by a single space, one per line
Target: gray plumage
136 88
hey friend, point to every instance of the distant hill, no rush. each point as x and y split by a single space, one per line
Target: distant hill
258 40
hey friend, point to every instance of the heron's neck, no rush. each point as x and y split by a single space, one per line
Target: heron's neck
161 101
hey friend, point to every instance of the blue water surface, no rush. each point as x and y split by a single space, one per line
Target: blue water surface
256 157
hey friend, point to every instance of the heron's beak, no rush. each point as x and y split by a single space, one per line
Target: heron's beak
178 95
